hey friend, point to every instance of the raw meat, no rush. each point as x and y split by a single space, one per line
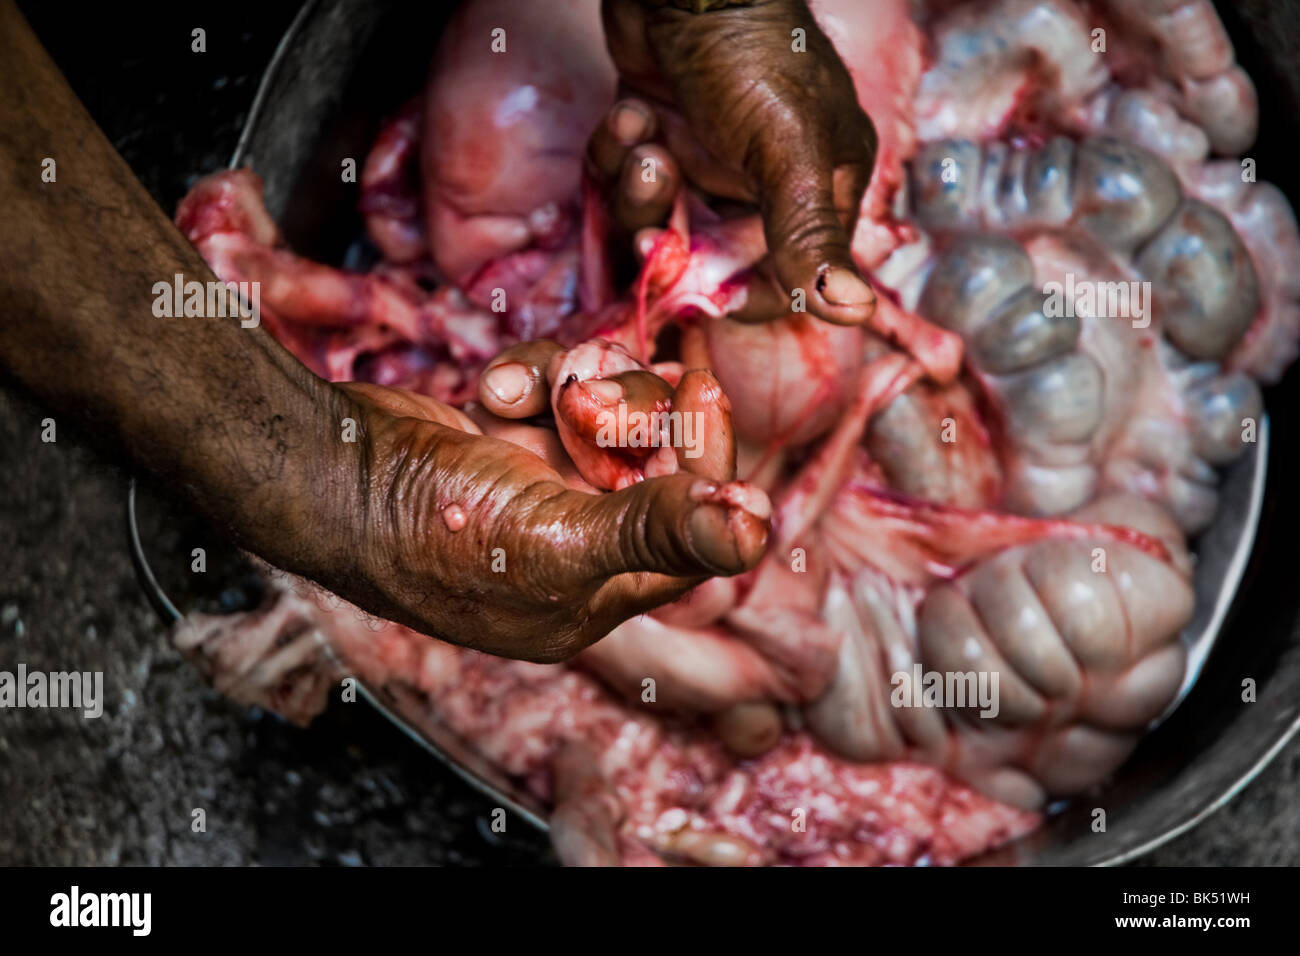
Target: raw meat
987 490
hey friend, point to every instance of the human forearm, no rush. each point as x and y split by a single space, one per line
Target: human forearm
223 411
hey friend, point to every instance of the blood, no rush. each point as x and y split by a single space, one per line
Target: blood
678 789
664 264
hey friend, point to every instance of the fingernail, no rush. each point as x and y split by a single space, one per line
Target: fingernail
609 393
709 537
733 494
844 287
629 123
508 382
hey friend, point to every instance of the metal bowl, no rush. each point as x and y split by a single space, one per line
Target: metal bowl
344 65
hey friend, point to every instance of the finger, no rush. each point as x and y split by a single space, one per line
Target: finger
855 159
695 347
699 166
586 406
679 525
804 231
406 404
628 123
514 384
637 592
642 389
848 185
646 187
710 446
764 301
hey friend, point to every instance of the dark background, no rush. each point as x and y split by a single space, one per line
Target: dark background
350 790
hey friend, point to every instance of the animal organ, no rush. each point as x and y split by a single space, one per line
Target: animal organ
982 482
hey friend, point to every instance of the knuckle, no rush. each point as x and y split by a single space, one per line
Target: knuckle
814 230
635 534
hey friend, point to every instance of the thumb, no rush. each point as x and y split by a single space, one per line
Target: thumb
806 228
679 525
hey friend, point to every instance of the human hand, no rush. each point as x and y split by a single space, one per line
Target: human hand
724 101
480 542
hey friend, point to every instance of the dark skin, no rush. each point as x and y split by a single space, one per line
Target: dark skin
254 440
728 101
